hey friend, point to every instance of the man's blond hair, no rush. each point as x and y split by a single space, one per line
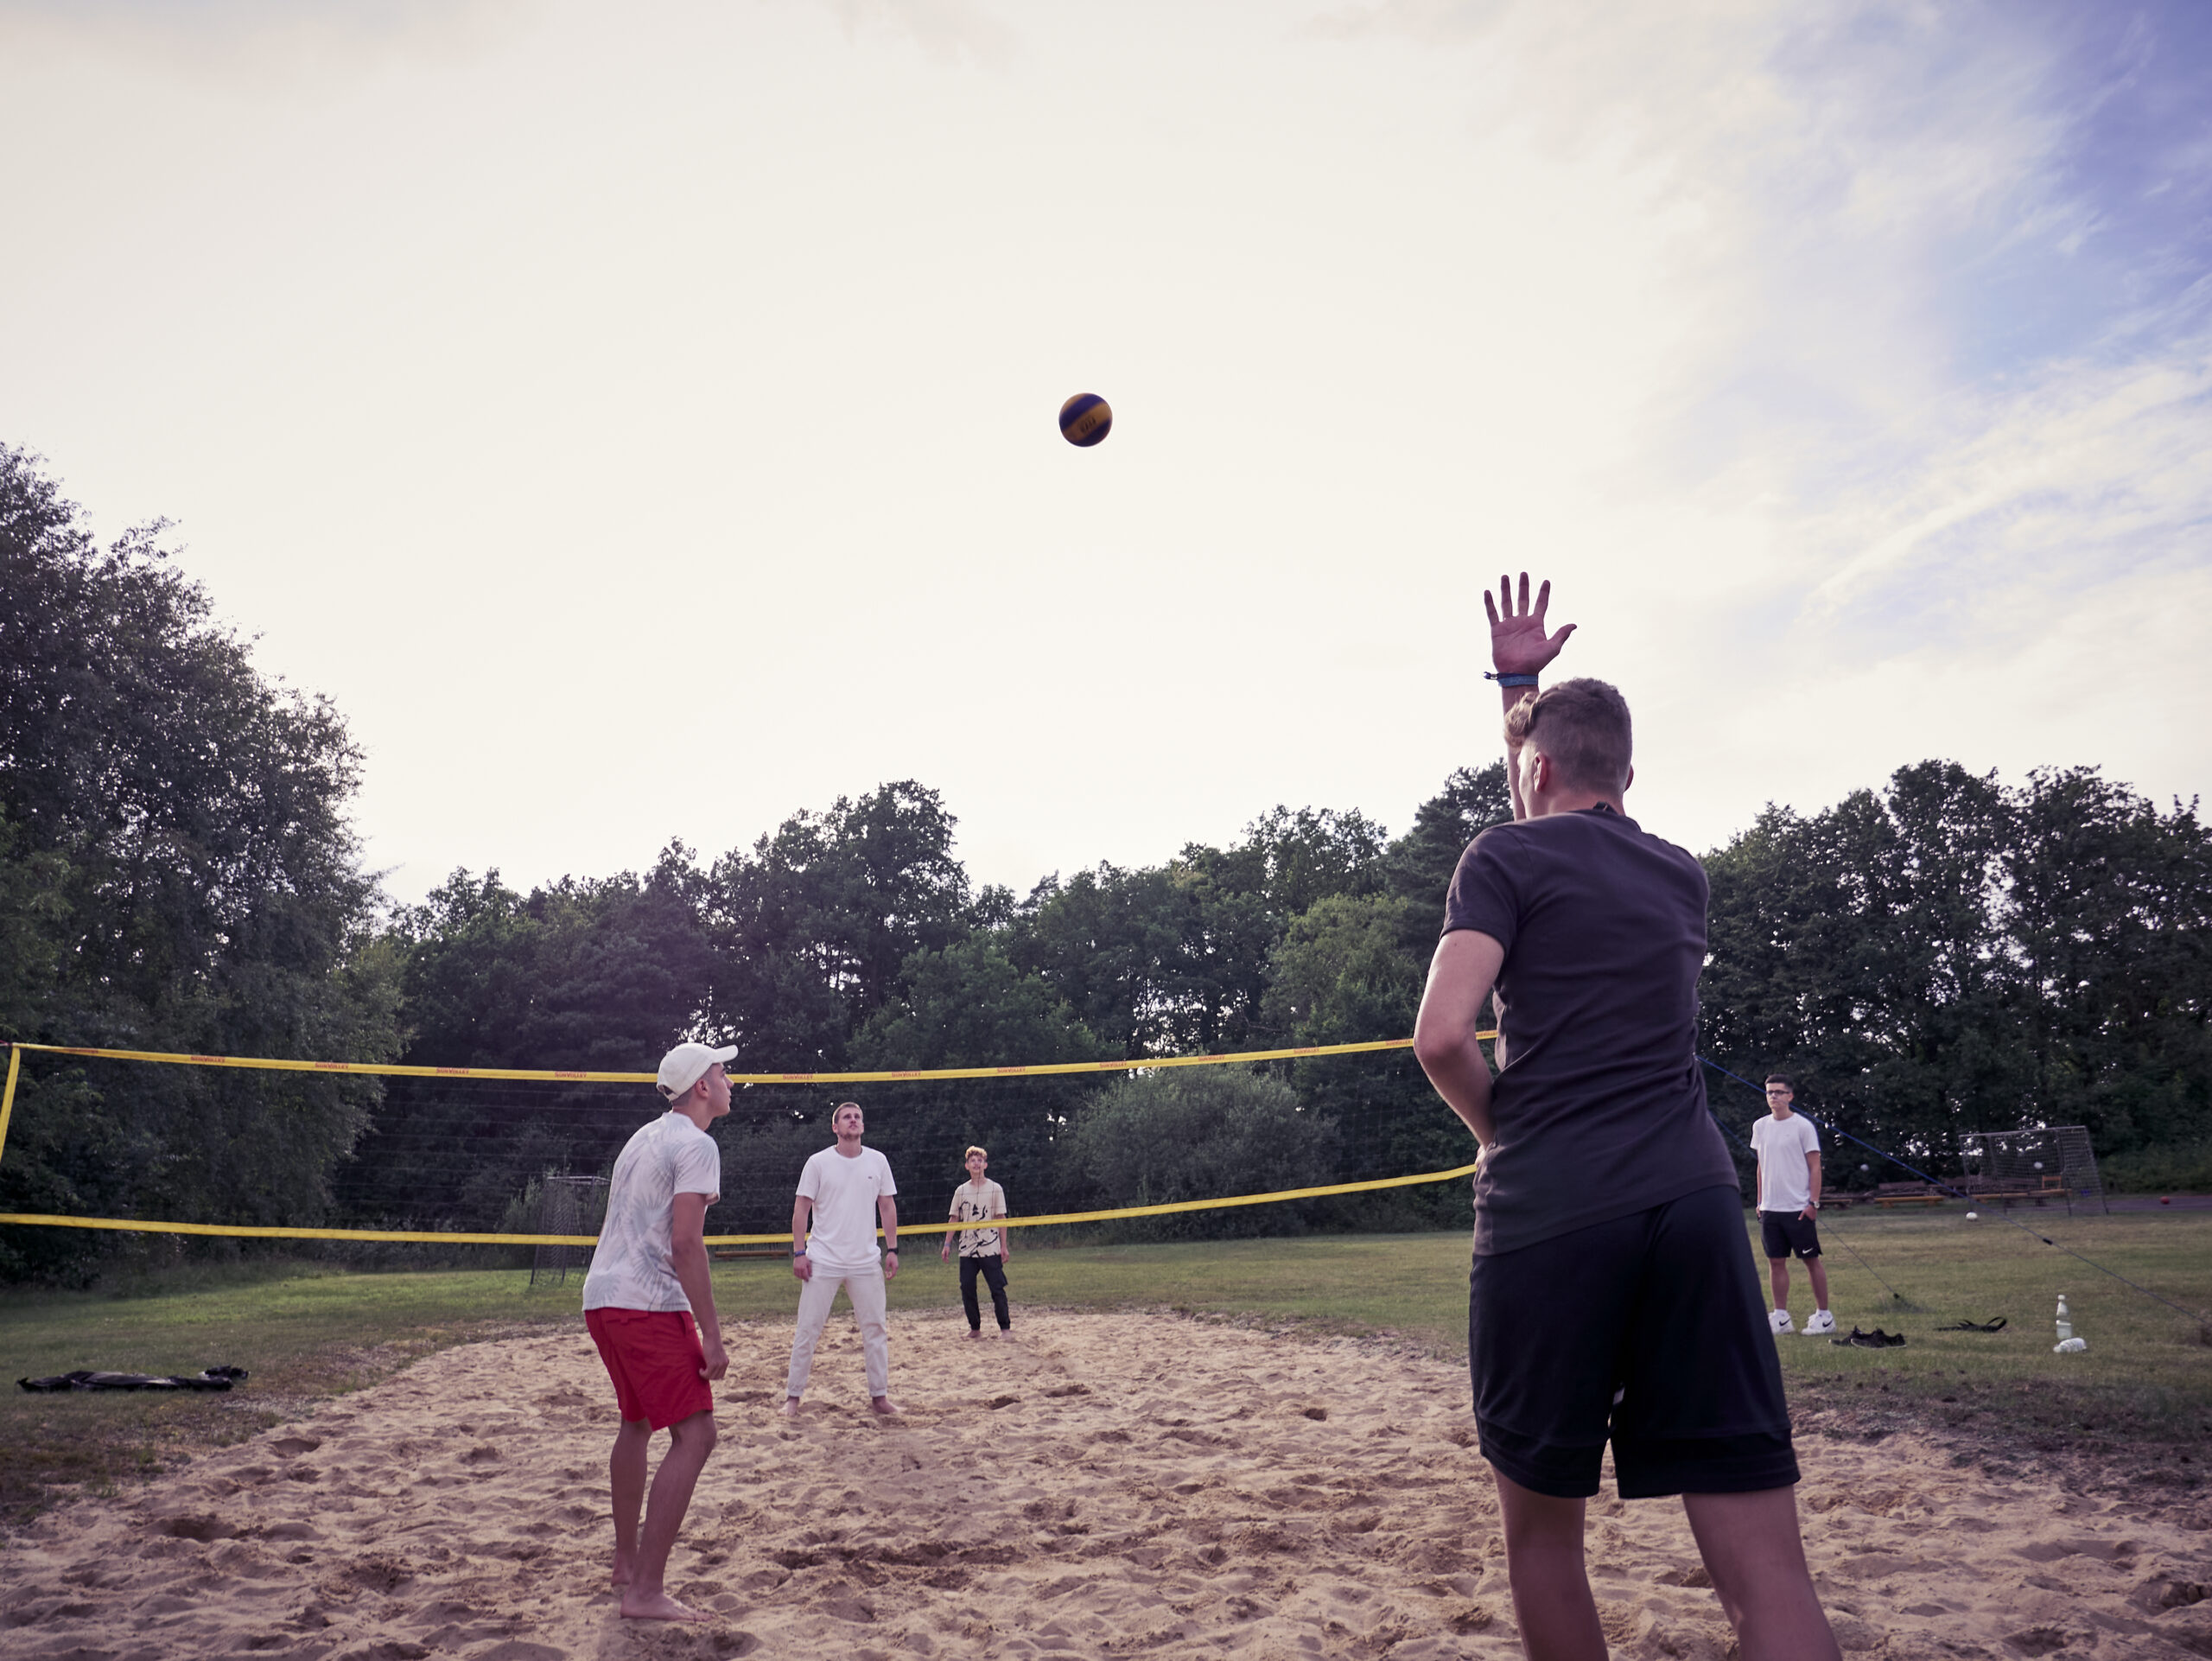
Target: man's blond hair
1583 725
972 1152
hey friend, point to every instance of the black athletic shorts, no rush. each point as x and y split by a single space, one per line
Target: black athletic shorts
1784 1232
1647 1331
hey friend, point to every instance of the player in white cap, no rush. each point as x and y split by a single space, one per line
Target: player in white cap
650 1305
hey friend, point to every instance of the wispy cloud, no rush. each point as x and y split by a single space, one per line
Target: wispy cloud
268 42
2092 472
1934 443
1949 264
948 31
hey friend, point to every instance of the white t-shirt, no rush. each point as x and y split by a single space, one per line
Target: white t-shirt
973 1203
844 1192
1785 1184
633 1268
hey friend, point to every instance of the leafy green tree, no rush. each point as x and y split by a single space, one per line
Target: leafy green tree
1292 860
1418 865
590 975
178 875
969 1006
34 921
1199 1133
1173 959
599 974
811 930
1864 950
2109 919
1161 961
1344 974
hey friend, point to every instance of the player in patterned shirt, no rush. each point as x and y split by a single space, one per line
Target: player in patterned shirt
982 1251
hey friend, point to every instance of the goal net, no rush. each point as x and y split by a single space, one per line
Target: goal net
569 1206
2050 1163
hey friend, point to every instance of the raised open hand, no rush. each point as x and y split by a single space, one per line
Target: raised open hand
1518 645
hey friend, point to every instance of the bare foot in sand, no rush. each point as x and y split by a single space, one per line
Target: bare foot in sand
790 1407
974 1332
885 1405
657 1606
621 1576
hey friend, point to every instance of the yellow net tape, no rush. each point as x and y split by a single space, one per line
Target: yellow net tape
245 1231
248 1231
1032 1069
7 1097
784 1238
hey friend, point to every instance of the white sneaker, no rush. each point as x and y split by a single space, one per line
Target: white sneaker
1779 1322
1821 1321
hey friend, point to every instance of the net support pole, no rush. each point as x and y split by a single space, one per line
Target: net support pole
8 1097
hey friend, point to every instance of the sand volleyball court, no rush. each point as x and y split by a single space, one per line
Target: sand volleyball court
1111 1485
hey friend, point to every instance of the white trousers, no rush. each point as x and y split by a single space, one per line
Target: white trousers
864 1289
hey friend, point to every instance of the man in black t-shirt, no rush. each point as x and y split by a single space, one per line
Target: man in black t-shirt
1612 1296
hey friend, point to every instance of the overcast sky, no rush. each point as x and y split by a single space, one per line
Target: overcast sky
640 421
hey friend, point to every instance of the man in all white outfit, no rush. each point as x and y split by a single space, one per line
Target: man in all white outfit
848 1190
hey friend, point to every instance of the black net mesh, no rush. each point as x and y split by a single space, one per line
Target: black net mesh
443 1154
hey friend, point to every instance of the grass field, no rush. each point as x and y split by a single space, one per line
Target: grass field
306 1333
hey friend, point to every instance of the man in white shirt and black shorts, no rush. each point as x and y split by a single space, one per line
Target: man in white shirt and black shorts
1788 1150
1610 1299
846 1191
649 1304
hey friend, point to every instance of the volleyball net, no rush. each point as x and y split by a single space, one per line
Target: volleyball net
1338 1137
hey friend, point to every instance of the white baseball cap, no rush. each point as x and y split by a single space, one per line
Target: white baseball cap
687 1064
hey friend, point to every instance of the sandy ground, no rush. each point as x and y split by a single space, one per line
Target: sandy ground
1110 1485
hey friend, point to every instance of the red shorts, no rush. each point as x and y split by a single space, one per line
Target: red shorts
654 1358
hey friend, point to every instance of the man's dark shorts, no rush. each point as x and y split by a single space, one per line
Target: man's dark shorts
1787 1234
1647 1331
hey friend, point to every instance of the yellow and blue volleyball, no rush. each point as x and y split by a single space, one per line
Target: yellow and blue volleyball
1084 419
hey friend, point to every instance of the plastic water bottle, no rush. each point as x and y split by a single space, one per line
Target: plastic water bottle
2065 1320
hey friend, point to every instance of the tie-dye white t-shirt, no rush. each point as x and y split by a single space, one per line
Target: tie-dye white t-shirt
633 1266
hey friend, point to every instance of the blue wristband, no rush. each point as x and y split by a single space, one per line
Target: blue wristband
1510 680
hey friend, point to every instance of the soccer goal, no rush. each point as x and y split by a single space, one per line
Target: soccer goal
566 1205
2048 1163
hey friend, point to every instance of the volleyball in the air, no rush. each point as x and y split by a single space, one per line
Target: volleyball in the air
1084 419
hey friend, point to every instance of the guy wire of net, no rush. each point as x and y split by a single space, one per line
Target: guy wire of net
1335 1138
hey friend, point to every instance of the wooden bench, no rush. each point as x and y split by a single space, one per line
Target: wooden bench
1906 1194
730 1253
2041 1189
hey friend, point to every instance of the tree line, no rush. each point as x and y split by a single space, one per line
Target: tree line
177 873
